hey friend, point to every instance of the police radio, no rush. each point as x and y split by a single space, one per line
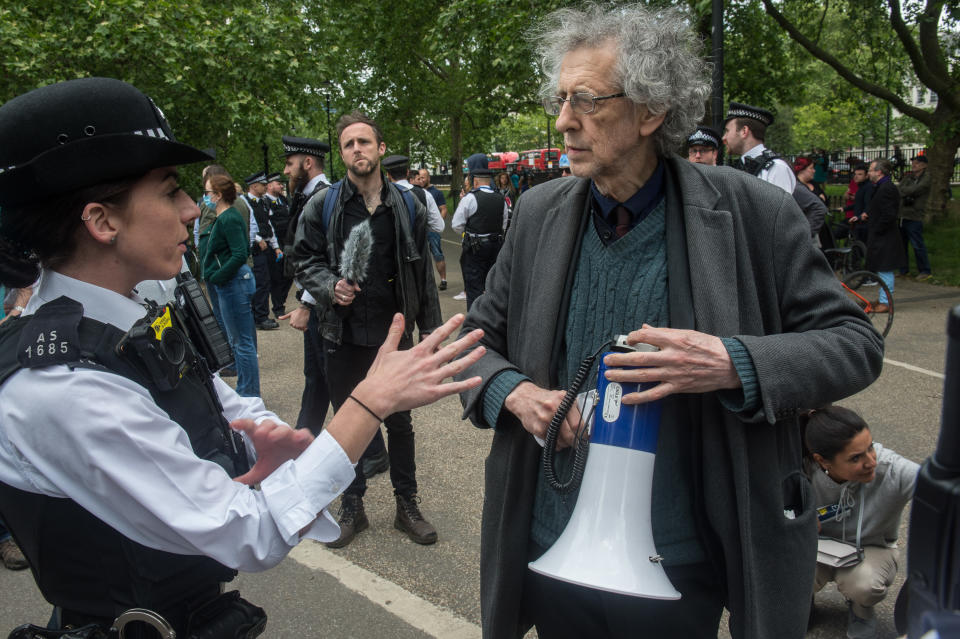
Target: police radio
172 338
608 542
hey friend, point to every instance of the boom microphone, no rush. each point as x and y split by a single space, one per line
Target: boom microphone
355 259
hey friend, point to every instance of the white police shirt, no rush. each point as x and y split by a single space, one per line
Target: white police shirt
434 219
99 439
779 173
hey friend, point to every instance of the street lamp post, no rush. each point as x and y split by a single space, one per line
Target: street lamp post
326 94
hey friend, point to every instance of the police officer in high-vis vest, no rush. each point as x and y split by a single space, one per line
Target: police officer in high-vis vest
120 475
481 217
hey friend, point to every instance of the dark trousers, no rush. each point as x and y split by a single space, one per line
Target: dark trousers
347 365
911 231
561 610
316 396
476 260
279 286
261 274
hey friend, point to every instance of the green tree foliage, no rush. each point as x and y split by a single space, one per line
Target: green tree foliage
921 36
437 78
225 73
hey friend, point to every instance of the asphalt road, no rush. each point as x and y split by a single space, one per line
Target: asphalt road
385 586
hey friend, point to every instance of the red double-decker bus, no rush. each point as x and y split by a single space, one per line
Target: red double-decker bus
539 159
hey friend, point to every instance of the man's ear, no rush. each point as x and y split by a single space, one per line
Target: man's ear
102 222
650 122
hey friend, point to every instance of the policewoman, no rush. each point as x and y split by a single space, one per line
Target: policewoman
123 494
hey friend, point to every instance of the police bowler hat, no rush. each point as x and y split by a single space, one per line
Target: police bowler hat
308 146
395 162
739 110
477 164
78 133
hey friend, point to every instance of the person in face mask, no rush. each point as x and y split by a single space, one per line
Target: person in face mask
860 490
225 269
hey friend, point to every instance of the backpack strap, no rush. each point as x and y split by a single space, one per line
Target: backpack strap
334 191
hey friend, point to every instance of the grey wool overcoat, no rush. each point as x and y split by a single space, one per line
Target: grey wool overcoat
740 263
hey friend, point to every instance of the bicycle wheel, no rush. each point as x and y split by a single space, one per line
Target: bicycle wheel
858 255
864 287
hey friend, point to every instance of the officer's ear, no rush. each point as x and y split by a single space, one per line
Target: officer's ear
102 221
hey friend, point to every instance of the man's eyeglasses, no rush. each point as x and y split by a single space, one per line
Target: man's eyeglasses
579 102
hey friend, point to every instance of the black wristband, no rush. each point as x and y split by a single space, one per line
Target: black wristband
366 408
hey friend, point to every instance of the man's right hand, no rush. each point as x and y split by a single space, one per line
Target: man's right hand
344 292
535 408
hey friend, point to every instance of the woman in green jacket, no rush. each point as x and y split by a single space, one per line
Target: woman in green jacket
231 280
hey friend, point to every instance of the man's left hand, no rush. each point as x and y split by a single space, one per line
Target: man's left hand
275 444
687 362
298 318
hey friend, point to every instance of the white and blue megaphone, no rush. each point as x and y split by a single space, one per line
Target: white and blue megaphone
608 542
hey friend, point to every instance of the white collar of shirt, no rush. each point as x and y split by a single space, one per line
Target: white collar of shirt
98 303
253 197
486 188
312 184
406 185
272 198
755 151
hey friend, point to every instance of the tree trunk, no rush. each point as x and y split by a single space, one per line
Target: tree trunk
941 156
456 156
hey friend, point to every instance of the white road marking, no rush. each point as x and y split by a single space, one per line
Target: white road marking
417 612
911 367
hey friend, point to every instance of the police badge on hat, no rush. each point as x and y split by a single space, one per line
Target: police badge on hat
704 136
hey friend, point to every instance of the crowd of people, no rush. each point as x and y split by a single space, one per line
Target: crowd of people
631 240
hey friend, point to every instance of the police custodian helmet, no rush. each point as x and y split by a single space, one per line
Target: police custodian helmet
79 133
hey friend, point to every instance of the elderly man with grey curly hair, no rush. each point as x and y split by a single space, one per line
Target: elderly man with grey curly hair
716 270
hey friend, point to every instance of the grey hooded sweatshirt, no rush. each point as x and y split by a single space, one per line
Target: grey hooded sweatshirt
883 501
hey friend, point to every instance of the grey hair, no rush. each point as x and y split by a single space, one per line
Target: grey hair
657 61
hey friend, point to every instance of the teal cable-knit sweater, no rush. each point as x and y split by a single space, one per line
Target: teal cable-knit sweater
618 288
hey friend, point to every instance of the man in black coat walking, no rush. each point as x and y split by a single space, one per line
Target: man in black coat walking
884 246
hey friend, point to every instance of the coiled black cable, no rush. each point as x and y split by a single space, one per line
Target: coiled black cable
553 431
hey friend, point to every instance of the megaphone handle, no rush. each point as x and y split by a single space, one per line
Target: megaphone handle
553 430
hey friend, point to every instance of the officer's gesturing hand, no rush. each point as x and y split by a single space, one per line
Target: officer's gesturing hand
275 444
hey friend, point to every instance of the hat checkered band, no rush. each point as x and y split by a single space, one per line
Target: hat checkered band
746 113
293 148
152 133
700 137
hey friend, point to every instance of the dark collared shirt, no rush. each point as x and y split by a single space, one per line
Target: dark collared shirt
369 316
639 204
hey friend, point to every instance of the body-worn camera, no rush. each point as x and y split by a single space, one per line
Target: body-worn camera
167 341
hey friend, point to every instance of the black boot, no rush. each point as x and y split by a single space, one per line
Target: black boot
352 520
411 521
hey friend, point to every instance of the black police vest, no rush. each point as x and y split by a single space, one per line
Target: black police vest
261 212
488 218
755 165
80 563
279 215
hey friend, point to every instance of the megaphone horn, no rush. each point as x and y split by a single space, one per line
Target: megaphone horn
608 542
